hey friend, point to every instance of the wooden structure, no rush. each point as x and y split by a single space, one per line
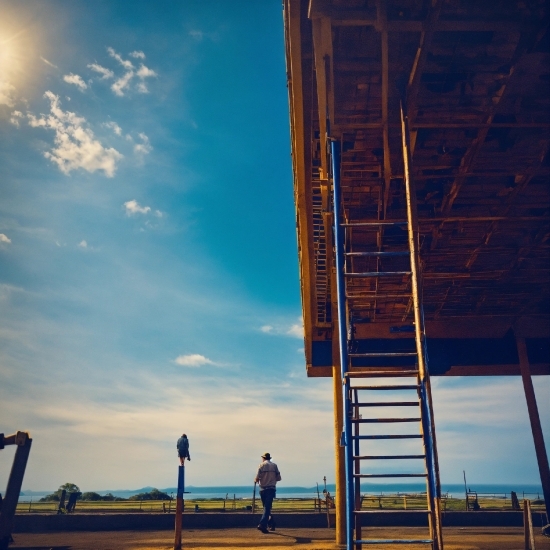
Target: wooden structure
473 81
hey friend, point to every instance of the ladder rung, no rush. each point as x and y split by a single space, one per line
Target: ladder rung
408 436
388 475
393 541
414 511
364 254
387 404
393 387
387 457
373 224
381 373
383 420
377 274
384 354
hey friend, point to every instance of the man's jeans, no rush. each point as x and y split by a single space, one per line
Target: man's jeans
267 496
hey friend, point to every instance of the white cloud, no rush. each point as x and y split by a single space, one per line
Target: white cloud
4 239
145 72
122 83
125 81
196 34
114 127
124 62
49 63
133 207
296 330
83 244
193 360
76 146
143 148
103 71
15 116
7 93
76 80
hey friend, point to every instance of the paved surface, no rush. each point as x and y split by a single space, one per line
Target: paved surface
468 538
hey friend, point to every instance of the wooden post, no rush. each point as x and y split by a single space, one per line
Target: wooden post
536 428
340 496
179 507
15 481
528 533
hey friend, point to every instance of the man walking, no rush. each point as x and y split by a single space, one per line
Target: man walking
183 449
267 476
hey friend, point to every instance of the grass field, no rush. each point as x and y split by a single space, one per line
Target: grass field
387 502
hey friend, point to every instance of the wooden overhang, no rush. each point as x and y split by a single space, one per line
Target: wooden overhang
474 77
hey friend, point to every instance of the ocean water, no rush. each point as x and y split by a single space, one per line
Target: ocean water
238 491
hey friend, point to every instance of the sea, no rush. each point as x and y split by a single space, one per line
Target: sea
239 491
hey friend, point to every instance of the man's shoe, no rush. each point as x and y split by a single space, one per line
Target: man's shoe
271 527
262 529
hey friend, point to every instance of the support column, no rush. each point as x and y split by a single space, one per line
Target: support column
179 507
536 428
339 459
342 340
428 423
15 482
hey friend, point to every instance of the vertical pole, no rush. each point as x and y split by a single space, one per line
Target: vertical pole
465 489
428 424
13 489
179 507
357 469
339 455
342 338
536 428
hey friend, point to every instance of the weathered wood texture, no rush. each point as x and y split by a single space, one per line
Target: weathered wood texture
475 76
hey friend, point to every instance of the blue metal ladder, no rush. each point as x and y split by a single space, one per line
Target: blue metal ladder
354 393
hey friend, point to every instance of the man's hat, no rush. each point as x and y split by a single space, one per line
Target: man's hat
267 456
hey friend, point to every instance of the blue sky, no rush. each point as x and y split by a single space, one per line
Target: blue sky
148 264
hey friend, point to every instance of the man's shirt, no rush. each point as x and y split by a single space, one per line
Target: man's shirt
268 475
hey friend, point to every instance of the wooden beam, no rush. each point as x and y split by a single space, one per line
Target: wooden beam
383 27
413 85
524 45
300 138
536 428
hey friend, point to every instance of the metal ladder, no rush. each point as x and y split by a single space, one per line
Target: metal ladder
353 393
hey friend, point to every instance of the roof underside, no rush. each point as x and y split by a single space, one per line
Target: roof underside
475 80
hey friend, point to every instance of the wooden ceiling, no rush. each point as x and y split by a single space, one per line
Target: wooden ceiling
475 79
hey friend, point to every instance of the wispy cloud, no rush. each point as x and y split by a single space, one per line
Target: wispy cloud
16 117
143 148
296 330
83 244
49 63
123 83
4 239
193 360
114 127
7 93
103 71
76 146
76 80
133 207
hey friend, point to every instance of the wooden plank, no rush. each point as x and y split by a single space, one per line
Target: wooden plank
302 189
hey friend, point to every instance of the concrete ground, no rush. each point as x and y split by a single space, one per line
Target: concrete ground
456 538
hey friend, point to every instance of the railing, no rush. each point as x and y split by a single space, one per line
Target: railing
398 501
